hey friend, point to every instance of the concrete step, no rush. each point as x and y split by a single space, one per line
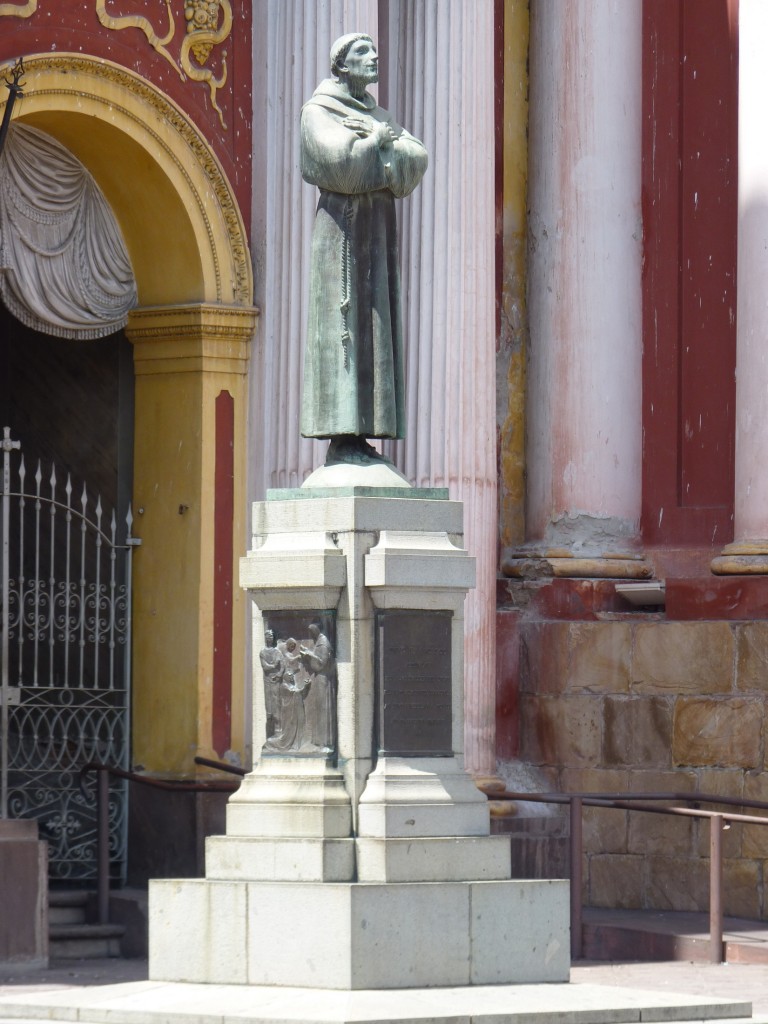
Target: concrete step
66 906
635 935
158 1003
66 915
85 941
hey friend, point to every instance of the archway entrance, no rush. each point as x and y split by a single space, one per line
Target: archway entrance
189 337
71 403
67 405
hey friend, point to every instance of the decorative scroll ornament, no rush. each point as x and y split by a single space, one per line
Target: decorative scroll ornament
203 33
64 268
139 21
18 11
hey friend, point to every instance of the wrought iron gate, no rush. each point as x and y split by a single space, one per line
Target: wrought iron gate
65 568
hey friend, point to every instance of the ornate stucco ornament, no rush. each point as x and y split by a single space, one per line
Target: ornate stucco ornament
203 33
18 10
157 42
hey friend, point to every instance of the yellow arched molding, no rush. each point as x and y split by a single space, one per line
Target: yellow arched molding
191 335
177 211
15 11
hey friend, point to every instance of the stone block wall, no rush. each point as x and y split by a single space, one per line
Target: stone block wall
619 701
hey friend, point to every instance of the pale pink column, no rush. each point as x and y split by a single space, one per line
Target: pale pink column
749 552
584 393
440 85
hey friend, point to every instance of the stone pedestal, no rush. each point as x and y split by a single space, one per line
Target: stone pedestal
358 851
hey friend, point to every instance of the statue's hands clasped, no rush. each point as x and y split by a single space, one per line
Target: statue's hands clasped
383 133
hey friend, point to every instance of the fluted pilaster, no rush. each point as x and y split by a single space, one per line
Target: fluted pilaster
440 86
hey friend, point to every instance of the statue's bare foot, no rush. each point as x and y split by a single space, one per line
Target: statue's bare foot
352 449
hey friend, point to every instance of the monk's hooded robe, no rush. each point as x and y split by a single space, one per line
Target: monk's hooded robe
353 371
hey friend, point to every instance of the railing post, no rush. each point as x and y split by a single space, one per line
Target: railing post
576 878
102 824
716 888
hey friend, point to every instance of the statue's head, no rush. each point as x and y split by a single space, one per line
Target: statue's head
314 631
269 637
354 56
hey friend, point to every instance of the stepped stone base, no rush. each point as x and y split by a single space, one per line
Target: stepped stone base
358 935
152 1003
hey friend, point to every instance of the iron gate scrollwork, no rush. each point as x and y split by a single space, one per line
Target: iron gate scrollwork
65 567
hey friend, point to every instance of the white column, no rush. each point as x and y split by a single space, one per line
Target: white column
749 552
441 87
584 393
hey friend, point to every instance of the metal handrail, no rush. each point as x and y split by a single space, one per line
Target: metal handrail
223 766
719 821
102 814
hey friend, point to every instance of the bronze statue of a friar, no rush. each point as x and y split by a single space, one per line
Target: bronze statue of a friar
361 160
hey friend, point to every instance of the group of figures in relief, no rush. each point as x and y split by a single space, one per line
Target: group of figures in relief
299 692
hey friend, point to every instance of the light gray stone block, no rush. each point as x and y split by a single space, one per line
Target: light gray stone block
450 859
280 859
356 514
427 796
291 797
520 931
418 560
353 936
197 931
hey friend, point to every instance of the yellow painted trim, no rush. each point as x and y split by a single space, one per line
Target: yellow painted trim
181 223
117 24
184 357
514 314
15 11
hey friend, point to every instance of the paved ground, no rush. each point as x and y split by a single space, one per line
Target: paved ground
72 974
726 981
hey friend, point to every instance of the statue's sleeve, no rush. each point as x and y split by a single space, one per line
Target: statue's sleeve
335 158
407 164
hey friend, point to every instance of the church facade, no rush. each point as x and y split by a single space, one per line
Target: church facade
583 371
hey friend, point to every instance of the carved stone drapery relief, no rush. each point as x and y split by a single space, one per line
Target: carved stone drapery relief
93 81
299 686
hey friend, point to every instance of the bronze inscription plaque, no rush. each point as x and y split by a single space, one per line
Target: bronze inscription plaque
413 683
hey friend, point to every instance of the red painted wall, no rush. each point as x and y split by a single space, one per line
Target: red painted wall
223 582
74 26
690 96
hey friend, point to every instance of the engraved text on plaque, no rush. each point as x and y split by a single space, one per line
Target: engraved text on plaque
413 683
